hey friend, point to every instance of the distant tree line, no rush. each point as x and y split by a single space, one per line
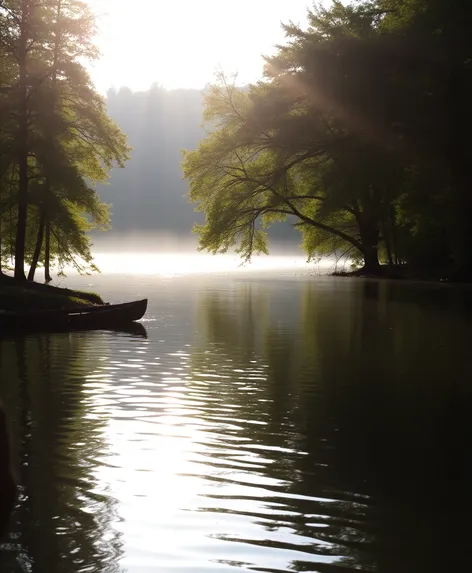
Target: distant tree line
360 131
56 140
151 194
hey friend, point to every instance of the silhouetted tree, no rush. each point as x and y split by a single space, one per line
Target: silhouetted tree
55 117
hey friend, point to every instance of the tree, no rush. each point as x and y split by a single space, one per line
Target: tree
304 143
56 119
359 131
436 78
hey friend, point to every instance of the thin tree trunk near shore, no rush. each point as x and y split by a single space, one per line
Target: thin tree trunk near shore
388 246
57 41
47 253
37 249
369 234
22 144
393 226
2 274
1 269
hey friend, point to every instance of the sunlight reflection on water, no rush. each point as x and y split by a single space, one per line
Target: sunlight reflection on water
246 430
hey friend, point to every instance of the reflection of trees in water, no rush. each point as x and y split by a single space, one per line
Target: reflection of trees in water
238 332
370 386
7 484
63 522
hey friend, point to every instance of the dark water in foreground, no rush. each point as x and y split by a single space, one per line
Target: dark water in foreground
268 422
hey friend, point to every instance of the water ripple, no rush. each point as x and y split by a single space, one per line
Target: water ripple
237 441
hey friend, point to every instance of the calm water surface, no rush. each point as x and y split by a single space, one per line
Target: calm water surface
268 421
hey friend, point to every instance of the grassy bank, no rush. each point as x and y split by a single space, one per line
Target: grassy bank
15 295
411 273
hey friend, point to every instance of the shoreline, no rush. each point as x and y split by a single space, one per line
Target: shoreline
23 295
443 277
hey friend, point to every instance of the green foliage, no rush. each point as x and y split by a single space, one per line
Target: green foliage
360 130
55 120
280 150
15 297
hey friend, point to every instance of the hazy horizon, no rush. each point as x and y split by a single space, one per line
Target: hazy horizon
150 193
182 44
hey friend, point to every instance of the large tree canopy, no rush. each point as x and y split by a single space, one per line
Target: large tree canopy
56 140
350 134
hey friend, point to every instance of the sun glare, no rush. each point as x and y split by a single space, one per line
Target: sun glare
170 265
184 42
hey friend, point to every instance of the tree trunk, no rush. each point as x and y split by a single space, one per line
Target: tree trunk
22 148
393 224
371 260
462 209
37 249
388 245
2 274
459 157
1 269
370 247
47 253
21 223
47 248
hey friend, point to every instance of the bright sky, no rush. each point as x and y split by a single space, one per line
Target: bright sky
181 43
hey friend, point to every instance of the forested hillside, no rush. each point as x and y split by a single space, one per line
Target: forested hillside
150 194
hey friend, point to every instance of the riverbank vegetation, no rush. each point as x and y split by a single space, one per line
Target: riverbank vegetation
56 140
23 295
358 135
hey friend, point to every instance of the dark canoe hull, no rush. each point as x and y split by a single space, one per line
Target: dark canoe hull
103 317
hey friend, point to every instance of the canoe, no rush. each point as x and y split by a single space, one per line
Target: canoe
99 317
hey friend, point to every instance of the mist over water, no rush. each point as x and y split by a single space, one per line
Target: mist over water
166 253
182 263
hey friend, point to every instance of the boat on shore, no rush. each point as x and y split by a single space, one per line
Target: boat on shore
96 317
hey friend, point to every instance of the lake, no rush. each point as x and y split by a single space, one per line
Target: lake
266 420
